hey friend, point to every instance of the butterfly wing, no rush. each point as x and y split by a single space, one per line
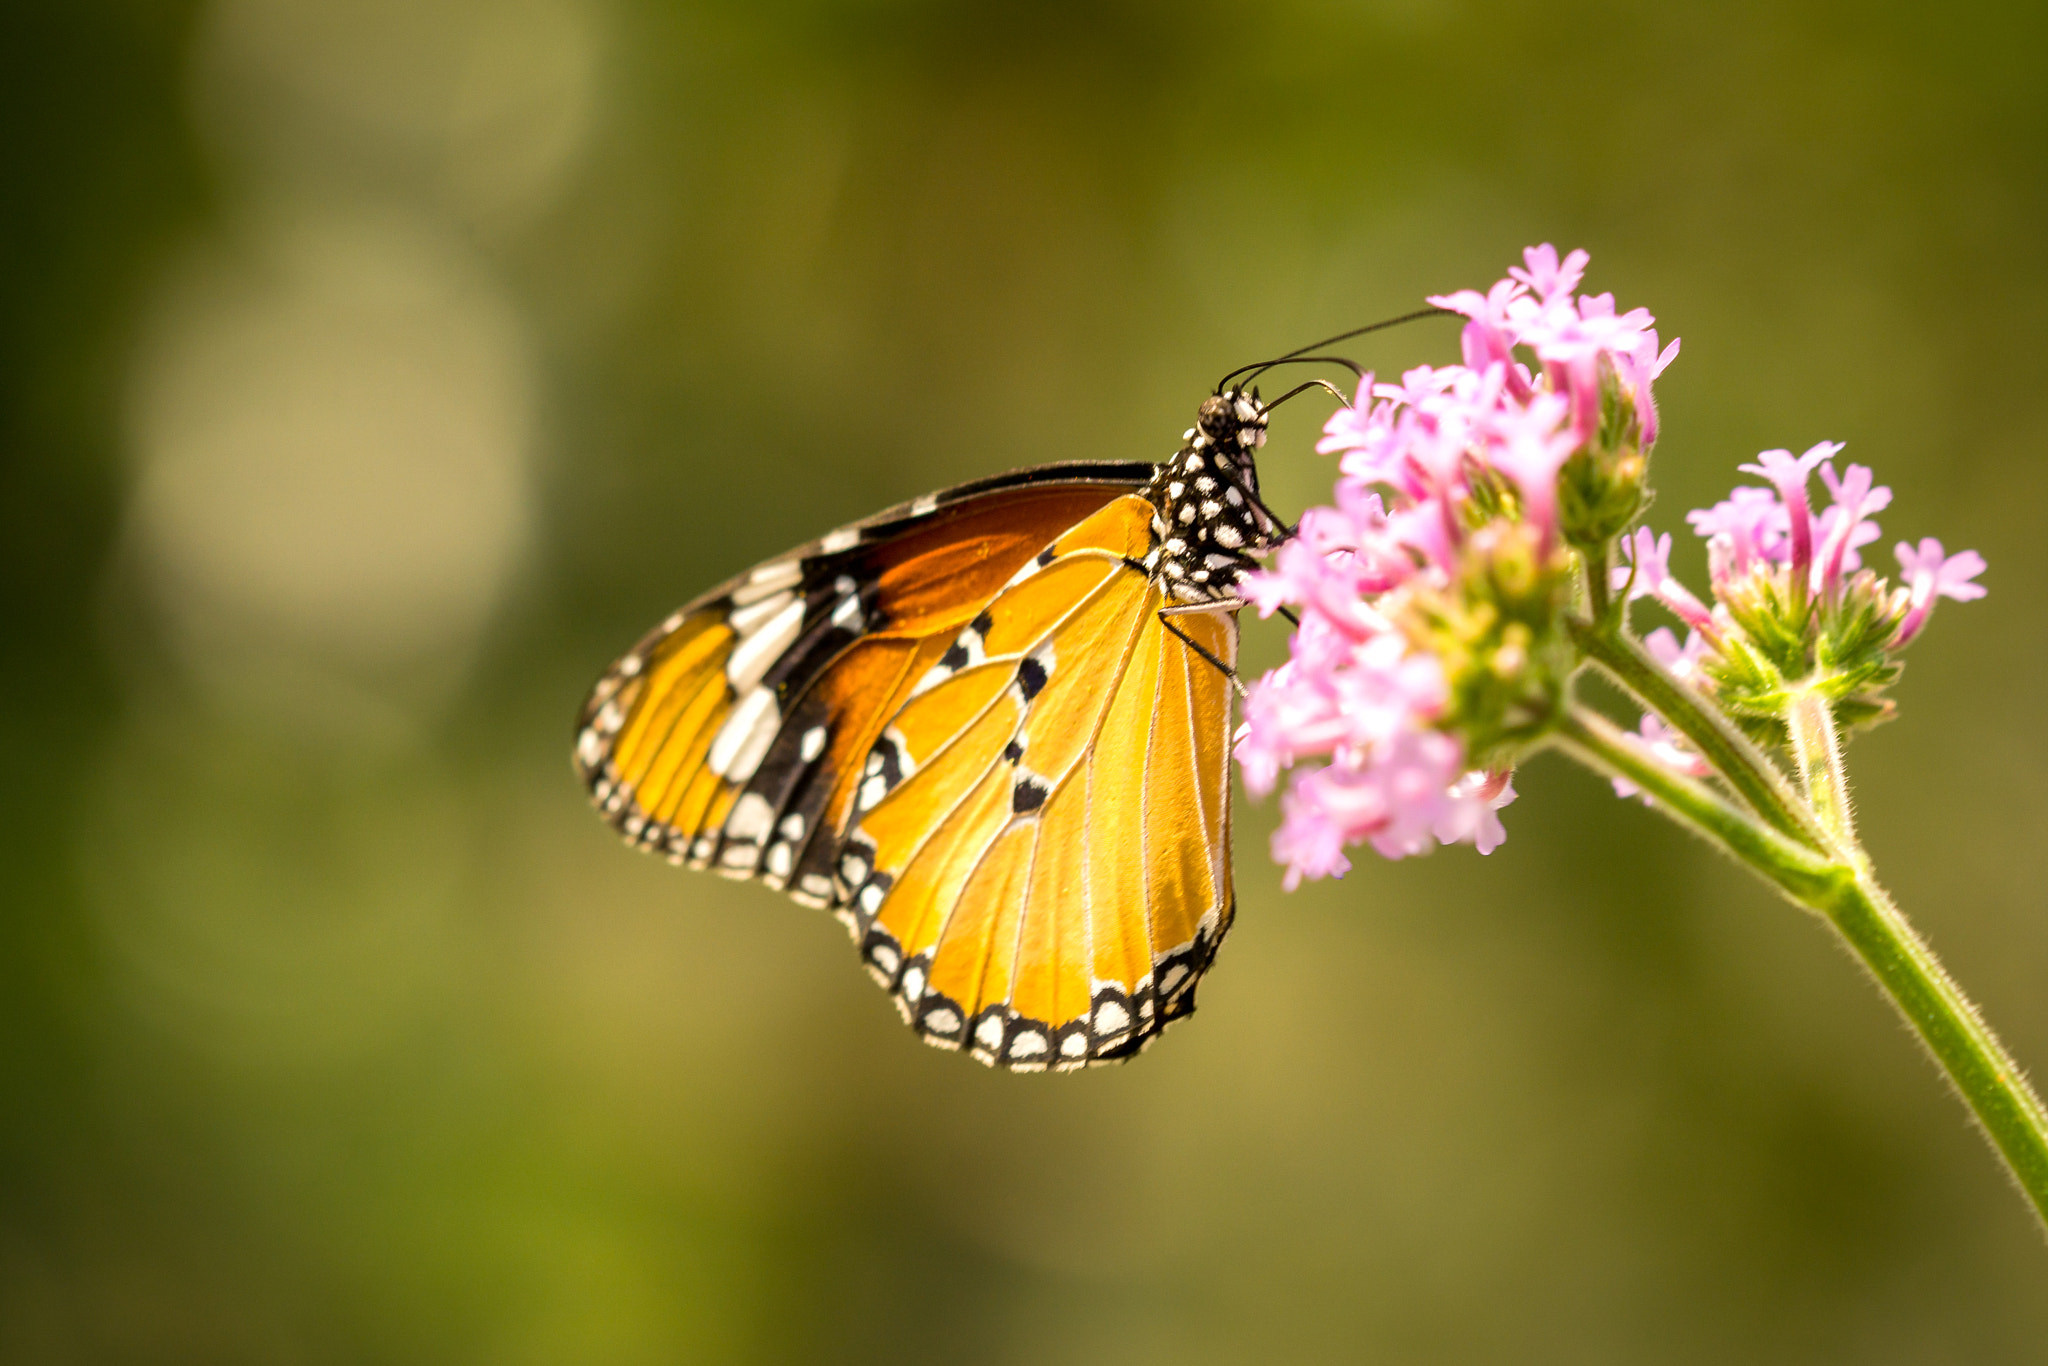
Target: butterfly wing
1038 868
733 735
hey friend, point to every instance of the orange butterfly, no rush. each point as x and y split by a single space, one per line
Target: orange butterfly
990 729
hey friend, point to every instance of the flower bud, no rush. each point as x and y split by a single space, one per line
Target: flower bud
1604 486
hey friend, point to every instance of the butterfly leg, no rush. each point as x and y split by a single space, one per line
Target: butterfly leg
1238 481
1167 614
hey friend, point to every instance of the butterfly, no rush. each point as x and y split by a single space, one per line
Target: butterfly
989 729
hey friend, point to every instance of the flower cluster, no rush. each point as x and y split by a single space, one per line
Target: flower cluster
1794 608
1432 647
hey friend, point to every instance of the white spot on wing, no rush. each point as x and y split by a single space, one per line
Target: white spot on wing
747 620
757 651
846 538
813 743
989 1033
746 733
768 579
750 818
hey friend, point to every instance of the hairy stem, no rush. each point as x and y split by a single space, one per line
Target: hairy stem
1977 1064
1840 887
1600 599
1818 751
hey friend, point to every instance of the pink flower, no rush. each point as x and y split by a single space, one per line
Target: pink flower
1309 844
1471 807
1355 427
1651 577
1535 307
1650 556
1530 446
1930 575
1395 802
1491 307
1666 747
1545 275
1789 475
1749 525
1842 527
1485 346
1638 367
1682 662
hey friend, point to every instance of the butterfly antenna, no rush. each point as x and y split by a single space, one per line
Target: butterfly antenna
1322 384
1244 375
1301 351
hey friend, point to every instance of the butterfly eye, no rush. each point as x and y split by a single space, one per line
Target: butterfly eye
1218 417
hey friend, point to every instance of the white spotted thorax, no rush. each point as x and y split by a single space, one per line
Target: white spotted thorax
1208 518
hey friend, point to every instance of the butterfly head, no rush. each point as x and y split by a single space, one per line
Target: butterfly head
1231 422
1209 522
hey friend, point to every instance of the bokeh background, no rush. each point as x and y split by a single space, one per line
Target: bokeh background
372 371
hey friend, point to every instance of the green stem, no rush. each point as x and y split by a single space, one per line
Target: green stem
1817 749
1948 1023
1841 888
1599 565
1754 777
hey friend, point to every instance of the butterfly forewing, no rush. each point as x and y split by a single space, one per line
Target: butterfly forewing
733 734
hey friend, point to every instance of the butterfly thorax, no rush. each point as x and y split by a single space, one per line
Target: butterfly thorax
1209 523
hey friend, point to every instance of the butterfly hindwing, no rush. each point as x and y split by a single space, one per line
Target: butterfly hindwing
1037 868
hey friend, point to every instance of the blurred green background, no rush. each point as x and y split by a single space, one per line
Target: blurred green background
375 370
